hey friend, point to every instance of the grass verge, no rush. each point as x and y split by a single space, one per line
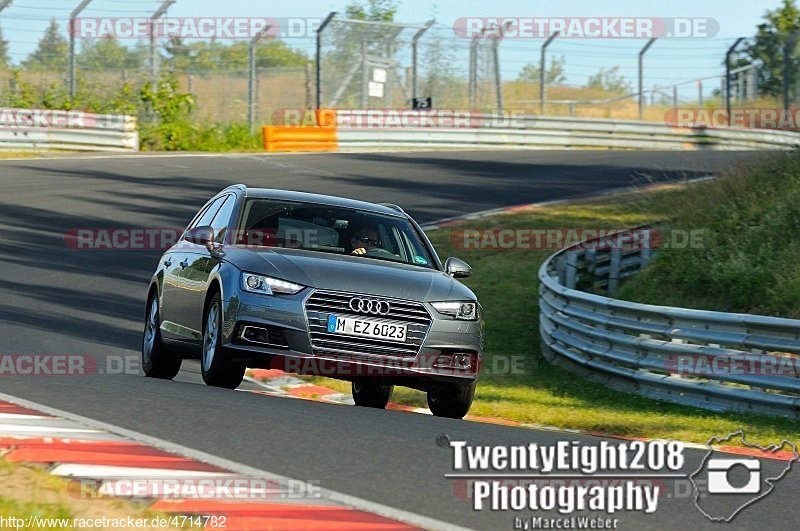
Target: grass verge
518 384
29 491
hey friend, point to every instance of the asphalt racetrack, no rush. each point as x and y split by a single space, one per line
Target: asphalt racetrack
59 300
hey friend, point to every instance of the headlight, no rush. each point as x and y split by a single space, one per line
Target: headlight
268 285
467 311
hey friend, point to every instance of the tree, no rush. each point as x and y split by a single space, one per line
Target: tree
374 11
552 75
108 54
5 61
206 56
52 51
609 80
768 46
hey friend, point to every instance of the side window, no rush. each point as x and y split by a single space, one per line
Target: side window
208 215
222 219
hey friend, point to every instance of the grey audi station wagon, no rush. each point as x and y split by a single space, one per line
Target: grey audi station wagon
314 284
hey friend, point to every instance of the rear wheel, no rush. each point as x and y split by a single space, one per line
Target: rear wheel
371 394
451 402
216 368
157 360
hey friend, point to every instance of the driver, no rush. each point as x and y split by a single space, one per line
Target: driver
365 240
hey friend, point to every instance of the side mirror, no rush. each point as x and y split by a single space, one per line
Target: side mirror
457 268
201 236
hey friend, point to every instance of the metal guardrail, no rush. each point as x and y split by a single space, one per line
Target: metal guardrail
22 129
713 360
555 132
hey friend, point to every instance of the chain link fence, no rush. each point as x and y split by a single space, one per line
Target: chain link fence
382 65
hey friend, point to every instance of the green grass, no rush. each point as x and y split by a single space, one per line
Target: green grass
746 259
506 284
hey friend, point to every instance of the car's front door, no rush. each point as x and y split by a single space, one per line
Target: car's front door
195 270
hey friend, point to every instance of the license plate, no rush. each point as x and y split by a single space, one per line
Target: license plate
366 328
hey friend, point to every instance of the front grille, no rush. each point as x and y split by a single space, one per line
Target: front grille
323 303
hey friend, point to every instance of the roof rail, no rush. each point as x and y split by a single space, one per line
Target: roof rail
241 187
393 207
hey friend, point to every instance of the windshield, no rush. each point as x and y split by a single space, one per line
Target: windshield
325 228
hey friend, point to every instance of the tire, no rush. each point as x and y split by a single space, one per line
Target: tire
370 394
451 402
216 367
157 360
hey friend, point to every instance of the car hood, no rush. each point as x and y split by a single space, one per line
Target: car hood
350 273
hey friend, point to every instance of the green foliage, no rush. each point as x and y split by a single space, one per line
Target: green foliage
174 130
52 51
745 259
609 80
769 44
374 10
214 56
102 54
5 60
552 75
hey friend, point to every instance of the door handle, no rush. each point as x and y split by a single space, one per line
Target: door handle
185 263
168 263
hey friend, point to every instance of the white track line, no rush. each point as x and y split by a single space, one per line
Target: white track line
330 495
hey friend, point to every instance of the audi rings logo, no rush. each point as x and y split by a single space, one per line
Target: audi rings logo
372 306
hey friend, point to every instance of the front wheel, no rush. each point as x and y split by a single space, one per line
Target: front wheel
451 402
157 360
216 368
370 394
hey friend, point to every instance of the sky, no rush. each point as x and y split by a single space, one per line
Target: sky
668 62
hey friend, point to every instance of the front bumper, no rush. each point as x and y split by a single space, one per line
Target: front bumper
287 314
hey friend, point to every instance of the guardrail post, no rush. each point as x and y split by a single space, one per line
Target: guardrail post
319 56
571 274
72 16
641 75
542 61
614 265
646 251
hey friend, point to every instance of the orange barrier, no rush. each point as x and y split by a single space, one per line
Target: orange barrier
321 137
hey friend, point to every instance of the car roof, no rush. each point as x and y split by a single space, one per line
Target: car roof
330 200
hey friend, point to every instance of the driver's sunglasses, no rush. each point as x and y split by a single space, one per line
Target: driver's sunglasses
367 239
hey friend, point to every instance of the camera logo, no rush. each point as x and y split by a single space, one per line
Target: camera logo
724 486
719 481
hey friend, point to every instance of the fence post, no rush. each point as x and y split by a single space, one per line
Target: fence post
542 61
309 102
71 30
699 92
364 76
414 56
153 56
251 75
788 47
728 77
319 56
498 84
641 75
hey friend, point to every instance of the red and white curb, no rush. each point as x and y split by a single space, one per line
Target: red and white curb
116 462
279 383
